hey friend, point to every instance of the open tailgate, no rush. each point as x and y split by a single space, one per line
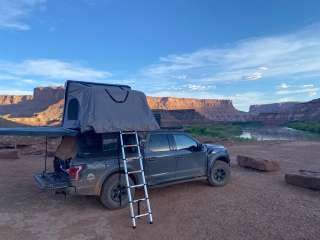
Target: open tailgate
52 180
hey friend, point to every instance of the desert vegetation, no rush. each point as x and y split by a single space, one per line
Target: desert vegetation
313 127
221 131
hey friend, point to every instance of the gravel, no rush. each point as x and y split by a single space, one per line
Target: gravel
254 205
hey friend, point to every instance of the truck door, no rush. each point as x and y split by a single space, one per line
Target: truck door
191 159
160 161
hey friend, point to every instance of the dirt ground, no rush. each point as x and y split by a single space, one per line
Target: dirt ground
253 205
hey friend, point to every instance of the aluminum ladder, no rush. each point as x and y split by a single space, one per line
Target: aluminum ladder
125 160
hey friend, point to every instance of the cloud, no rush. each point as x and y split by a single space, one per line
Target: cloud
267 60
283 86
197 87
311 91
14 92
292 55
253 76
14 12
308 85
51 69
29 81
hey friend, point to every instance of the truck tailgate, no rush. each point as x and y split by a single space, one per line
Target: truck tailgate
52 180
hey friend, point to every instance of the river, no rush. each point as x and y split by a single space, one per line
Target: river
276 133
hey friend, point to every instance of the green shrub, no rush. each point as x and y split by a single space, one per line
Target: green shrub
313 127
215 130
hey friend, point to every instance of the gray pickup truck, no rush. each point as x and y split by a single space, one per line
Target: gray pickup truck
168 156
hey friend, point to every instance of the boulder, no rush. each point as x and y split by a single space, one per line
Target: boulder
258 163
304 178
9 154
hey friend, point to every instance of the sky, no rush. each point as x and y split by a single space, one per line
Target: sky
251 52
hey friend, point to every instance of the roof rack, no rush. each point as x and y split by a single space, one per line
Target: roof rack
95 83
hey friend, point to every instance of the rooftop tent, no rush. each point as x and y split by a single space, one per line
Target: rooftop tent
106 108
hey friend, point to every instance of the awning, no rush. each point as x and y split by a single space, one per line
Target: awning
38 131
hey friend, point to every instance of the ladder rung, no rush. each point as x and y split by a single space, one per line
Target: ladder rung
135 186
141 215
128 133
139 200
131 145
137 171
132 158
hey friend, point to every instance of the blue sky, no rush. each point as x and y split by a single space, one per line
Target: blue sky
252 52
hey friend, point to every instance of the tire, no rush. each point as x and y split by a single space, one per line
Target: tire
110 192
219 174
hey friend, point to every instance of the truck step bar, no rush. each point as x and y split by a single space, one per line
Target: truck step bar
125 160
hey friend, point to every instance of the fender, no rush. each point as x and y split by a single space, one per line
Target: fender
113 170
212 158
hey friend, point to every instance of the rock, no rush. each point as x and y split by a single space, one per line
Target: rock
258 163
304 178
9 154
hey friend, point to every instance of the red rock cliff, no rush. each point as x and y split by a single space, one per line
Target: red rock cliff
213 109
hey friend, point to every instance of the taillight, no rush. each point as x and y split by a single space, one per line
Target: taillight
74 172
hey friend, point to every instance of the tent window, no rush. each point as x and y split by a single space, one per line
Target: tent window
73 109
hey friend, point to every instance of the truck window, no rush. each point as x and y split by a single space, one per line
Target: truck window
110 146
90 143
97 145
184 142
158 143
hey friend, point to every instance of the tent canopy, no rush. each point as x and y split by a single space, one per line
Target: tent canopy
38 131
106 108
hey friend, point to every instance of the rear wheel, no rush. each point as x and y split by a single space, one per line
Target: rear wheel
219 174
114 192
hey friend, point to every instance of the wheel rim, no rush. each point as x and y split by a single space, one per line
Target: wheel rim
117 192
219 174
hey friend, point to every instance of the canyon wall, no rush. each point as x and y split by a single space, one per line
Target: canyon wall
11 99
212 109
308 111
272 108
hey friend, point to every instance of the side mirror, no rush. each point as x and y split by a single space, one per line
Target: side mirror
194 148
200 147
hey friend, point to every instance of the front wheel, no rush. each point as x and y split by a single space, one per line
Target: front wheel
114 193
219 174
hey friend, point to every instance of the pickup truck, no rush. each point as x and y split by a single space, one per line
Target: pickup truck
169 157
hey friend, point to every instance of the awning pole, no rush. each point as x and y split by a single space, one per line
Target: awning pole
46 155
